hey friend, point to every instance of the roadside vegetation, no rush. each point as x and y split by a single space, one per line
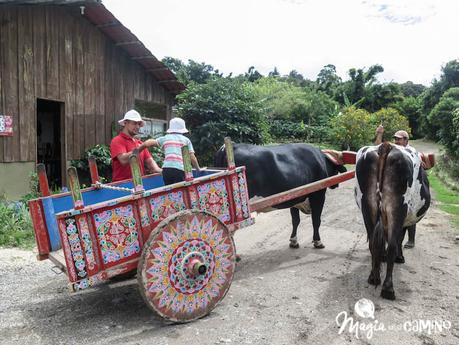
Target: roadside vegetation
447 198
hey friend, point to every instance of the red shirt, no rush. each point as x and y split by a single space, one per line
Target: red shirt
123 143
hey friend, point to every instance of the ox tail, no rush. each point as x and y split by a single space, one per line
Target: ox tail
378 238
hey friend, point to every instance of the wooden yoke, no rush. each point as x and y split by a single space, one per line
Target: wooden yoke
74 185
43 180
187 168
229 153
136 173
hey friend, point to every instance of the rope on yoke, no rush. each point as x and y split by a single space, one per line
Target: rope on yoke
99 185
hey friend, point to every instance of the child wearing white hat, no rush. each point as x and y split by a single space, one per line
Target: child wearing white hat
171 144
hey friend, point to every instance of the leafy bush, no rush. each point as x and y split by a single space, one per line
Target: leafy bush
104 164
351 129
15 225
284 130
222 107
392 121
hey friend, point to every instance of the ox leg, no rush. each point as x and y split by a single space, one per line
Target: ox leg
317 201
387 290
399 258
377 248
295 213
411 236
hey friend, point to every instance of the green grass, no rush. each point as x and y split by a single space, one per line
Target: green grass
15 225
451 209
448 199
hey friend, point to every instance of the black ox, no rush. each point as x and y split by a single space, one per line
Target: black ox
393 194
274 169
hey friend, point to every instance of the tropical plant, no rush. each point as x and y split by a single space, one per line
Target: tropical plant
351 129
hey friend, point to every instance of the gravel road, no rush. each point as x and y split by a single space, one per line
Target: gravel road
279 295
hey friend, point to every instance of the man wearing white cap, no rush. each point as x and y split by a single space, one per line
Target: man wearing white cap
400 137
124 143
172 143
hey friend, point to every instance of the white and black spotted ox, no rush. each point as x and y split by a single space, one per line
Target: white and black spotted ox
275 169
392 191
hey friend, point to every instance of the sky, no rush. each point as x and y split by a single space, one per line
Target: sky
411 39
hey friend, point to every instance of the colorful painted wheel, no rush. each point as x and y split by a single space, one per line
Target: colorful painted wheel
187 265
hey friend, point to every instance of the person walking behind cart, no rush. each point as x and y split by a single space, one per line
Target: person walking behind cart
171 144
125 143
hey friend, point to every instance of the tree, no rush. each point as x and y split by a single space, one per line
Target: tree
293 111
444 115
252 74
431 96
295 78
392 121
411 107
409 89
192 72
328 81
222 107
274 73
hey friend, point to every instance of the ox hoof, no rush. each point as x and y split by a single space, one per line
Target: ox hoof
388 294
400 259
294 245
374 281
318 244
409 245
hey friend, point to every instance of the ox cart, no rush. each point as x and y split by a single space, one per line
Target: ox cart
177 237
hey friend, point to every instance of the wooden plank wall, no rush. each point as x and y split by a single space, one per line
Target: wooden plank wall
54 53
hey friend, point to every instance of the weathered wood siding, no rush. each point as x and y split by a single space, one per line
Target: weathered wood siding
53 52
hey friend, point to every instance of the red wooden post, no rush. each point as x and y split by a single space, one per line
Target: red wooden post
229 153
43 180
93 169
187 168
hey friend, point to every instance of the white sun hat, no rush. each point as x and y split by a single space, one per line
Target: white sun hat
177 125
132 115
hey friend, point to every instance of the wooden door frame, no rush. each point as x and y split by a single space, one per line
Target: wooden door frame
63 137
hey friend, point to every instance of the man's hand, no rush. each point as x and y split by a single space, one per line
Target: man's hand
379 134
150 142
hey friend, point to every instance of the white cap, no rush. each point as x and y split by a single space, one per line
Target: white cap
132 115
177 125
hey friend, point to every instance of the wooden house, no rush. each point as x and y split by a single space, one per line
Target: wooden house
68 71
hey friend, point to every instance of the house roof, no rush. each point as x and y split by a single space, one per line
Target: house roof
105 21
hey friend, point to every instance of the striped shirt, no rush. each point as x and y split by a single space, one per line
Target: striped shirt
172 147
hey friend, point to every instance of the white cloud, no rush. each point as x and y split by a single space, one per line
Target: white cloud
410 39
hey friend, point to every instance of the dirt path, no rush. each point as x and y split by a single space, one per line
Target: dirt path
279 295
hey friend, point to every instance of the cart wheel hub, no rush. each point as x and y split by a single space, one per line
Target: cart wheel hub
194 265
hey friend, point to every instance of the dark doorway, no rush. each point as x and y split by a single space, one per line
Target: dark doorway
49 143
